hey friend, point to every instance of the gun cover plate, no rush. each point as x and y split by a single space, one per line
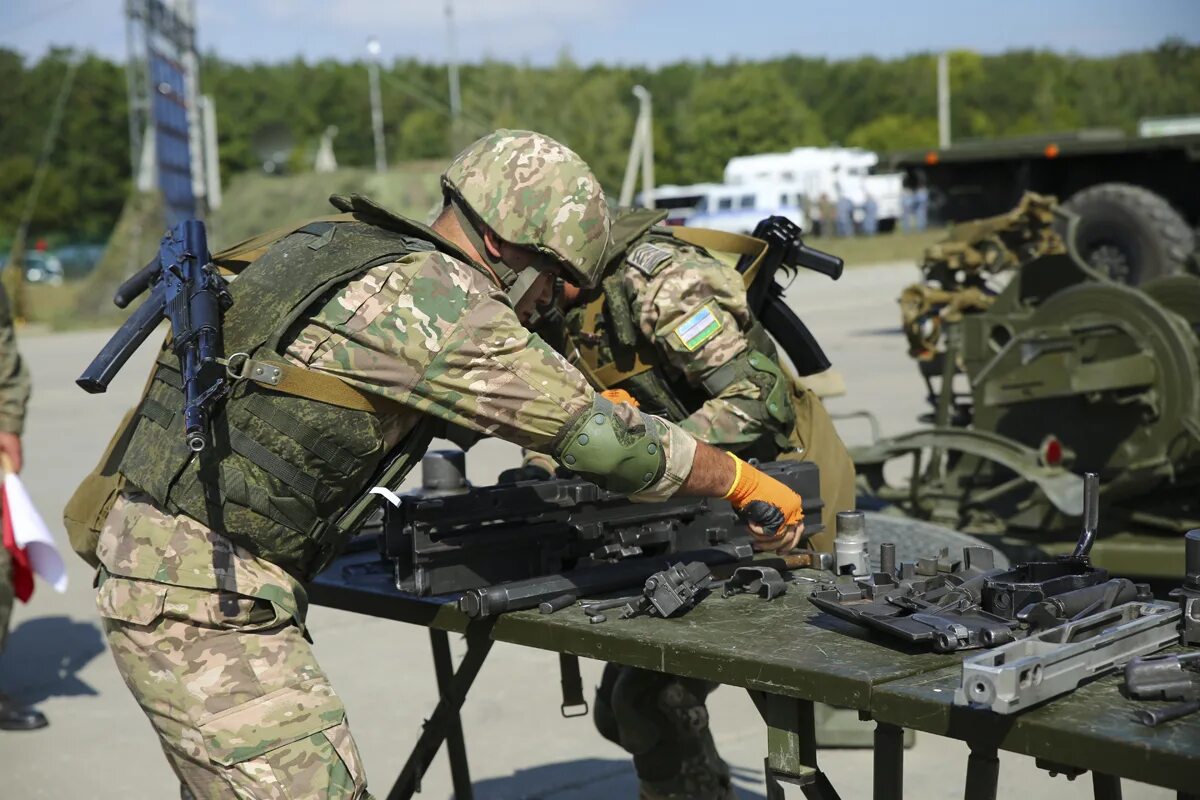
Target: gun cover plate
1053 662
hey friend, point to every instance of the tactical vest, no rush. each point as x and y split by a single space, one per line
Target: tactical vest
283 467
614 354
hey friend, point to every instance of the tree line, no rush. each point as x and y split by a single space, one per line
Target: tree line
705 112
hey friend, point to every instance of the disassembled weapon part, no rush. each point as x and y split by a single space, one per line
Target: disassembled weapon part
1052 662
1189 593
766 582
850 544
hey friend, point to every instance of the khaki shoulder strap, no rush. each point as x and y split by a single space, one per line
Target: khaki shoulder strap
725 242
279 375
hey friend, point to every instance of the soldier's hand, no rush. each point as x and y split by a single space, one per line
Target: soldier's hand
774 512
619 396
10 447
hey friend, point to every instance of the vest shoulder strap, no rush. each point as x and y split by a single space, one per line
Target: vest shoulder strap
725 242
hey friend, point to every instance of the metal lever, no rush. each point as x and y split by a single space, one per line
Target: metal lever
1091 515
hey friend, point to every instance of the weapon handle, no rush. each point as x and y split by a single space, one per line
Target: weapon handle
819 261
135 284
121 346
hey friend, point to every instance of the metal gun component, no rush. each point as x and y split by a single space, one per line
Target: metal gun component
1091 515
1167 677
671 591
1157 716
596 606
850 544
525 594
933 600
1082 602
444 473
1050 663
556 603
1189 593
765 582
442 540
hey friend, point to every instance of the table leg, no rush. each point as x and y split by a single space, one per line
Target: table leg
792 748
444 721
456 748
983 774
1106 787
889 762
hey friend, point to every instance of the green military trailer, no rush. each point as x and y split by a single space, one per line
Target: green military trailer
1135 194
1039 368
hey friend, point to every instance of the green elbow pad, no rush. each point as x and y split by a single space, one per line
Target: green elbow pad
603 448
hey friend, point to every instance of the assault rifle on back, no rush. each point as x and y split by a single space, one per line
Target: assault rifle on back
510 547
186 288
787 251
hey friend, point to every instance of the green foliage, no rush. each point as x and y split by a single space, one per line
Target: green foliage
704 113
895 132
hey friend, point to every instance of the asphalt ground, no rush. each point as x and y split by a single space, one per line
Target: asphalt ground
99 744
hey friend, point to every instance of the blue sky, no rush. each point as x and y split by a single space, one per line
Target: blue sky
624 31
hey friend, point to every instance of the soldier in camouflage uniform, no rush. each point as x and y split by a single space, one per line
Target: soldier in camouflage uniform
670 326
354 339
14 394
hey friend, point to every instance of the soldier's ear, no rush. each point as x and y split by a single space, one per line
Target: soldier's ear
491 242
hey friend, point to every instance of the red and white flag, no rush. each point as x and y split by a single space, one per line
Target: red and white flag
28 540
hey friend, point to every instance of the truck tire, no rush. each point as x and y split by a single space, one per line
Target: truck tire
916 538
1130 233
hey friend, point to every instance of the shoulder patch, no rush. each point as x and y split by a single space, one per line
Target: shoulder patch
648 258
699 326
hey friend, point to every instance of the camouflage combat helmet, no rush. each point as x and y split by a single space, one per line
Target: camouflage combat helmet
535 192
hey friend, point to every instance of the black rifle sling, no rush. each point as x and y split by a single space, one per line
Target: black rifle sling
572 686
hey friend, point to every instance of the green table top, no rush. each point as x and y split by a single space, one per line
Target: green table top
788 647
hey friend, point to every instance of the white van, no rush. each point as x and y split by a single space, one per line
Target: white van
738 209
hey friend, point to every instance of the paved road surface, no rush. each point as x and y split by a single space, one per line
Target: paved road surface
100 746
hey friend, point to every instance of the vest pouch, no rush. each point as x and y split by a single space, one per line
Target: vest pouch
88 508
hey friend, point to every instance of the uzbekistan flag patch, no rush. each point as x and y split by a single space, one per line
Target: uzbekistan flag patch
699 327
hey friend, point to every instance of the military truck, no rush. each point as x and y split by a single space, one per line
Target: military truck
1038 368
1136 196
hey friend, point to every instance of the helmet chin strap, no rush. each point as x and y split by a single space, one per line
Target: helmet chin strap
521 286
548 312
473 230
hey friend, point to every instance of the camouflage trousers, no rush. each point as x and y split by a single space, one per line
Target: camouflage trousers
7 596
241 708
662 721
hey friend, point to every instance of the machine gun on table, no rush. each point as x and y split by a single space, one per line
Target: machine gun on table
514 546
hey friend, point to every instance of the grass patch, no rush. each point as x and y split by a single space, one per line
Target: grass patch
886 247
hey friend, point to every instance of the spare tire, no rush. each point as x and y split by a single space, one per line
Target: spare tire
1130 233
916 538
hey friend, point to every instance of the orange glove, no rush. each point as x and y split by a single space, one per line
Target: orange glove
619 396
770 507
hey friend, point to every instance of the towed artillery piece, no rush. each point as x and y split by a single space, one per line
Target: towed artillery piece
1038 368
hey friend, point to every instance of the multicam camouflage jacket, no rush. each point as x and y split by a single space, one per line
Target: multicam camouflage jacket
691 329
